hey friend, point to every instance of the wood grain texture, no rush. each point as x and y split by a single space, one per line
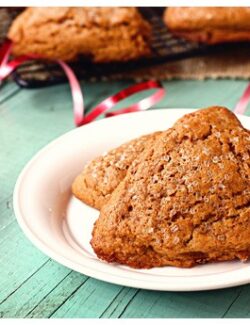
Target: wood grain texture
31 285
7 90
89 300
164 304
57 296
44 280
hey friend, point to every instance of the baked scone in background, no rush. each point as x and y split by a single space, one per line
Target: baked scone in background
209 24
104 34
185 200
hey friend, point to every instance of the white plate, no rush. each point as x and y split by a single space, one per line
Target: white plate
60 225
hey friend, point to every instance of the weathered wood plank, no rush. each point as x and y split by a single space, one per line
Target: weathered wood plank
119 304
90 300
240 307
33 290
19 260
7 90
32 286
58 295
197 94
150 304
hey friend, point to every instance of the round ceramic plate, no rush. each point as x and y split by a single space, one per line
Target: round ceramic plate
60 225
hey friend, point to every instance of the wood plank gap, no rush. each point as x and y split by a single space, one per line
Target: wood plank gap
232 303
15 91
125 308
27 315
72 293
155 303
24 281
111 304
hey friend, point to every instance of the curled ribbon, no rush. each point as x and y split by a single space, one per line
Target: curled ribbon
7 67
243 101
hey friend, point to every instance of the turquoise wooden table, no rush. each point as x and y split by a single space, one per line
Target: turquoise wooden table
31 284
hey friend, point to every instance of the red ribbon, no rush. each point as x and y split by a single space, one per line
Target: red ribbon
243 102
142 105
7 67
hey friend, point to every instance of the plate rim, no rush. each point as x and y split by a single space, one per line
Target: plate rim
100 275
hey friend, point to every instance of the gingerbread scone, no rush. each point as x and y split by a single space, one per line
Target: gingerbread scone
102 34
210 25
185 201
103 174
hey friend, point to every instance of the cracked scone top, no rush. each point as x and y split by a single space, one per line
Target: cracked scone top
186 199
103 34
103 174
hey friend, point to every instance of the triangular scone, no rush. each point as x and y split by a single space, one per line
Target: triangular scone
102 175
209 25
102 34
187 199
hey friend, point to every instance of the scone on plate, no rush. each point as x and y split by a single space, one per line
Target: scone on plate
209 24
102 34
185 200
102 175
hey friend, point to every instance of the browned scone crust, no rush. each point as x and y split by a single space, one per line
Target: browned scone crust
103 34
209 24
103 174
185 201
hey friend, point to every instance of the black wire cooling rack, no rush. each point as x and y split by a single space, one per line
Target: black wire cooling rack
165 47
